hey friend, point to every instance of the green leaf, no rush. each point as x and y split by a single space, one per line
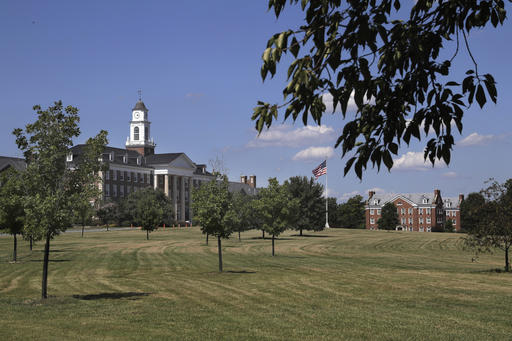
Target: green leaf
480 96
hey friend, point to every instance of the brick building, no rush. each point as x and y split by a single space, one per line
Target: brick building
422 212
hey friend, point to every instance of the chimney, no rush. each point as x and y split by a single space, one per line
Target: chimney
243 179
252 181
437 193
461 198
370 194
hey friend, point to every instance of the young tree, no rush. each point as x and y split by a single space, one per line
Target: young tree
211 202
108 213
151 209
277 209
240 216
388 60
11 205
309 194
352 213
469 216
389 217
49 184
494 227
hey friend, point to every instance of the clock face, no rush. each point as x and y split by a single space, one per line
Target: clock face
136 115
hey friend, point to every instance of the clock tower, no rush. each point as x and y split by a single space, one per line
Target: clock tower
139 139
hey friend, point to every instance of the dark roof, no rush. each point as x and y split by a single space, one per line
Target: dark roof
140 106
119 153
162 158
15 162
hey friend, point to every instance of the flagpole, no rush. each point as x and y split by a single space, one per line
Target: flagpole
326 205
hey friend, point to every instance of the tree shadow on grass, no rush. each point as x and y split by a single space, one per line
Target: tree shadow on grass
495 270
50 260
270 238
311 235
111 296
240 272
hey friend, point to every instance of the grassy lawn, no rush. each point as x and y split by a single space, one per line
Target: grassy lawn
331 285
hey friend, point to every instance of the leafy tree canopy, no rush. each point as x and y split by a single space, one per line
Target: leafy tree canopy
469 215
352 214
309 193
389 217
388 59
151 208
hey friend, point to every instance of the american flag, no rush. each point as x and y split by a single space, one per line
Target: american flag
320 170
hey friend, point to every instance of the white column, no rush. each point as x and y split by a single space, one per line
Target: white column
155 181
166 185
175 197
190 186
182 199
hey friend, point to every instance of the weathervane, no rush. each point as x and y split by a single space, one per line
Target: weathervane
140 95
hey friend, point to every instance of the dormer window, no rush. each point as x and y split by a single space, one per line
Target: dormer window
111 156
425 200
139 160
376 201
448 204
125 158
69 157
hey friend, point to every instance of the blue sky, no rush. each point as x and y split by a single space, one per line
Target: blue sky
197 63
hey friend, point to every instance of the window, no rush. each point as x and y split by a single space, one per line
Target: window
448 204
128 176
375 202
454 222
399 203
107 190
371 211
121 175
111 156
403 221
136 133
107 175
410 220
409 210
146 135
114 190
421 220
402 210
428 210
410 229
425 200
125 159
69 157
429 229
428 220
422 229
114 173
135 177
121 190
420 210
378 212
372 221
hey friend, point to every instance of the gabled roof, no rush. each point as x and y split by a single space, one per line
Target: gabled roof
162 158
118 153
15 162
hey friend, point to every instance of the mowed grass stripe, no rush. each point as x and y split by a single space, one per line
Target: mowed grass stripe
335 284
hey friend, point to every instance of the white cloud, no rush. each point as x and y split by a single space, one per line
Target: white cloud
450 175
284 136
345 196
476 139
414 161
314 153
330 193
327 99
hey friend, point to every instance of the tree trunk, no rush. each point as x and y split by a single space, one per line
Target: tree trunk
15 248
507 263
263 234
273 245
44 294
220 253
147 234
207 239
83 228
301 231
239 238
30 243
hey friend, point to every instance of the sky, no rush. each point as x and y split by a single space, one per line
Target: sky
197 64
